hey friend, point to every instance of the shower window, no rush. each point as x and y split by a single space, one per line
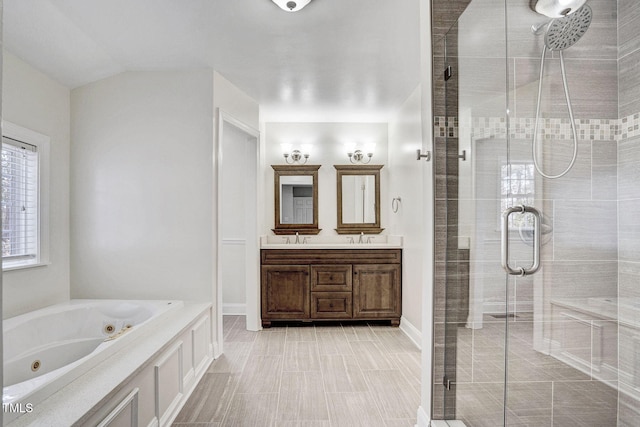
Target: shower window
517 187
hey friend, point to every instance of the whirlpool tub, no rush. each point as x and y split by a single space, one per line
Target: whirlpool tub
46 349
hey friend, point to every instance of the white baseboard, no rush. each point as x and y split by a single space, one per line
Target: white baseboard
234 309
474 325
423 418
216 350
411 331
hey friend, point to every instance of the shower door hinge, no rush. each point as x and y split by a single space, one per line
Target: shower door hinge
448 72
446 382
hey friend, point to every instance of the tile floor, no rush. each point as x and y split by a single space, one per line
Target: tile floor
308 375
542 391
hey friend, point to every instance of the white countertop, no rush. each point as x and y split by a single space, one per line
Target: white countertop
370 241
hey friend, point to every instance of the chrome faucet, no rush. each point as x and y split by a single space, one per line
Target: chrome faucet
361 238
297 237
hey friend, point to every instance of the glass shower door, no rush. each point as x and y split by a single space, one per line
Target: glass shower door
534 325
563 339
473 187
485 189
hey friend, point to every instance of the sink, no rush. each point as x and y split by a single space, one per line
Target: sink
377 241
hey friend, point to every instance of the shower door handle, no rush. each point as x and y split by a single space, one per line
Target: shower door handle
520 271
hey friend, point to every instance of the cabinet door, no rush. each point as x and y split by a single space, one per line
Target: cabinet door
285 292
376 291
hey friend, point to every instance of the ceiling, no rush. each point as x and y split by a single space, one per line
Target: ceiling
338 60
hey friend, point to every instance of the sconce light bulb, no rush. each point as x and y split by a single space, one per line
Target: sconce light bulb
371 147
350 147
286 148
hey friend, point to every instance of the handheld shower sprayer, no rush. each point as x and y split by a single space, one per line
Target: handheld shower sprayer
560 34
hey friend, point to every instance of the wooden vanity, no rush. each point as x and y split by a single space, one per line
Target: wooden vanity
331 284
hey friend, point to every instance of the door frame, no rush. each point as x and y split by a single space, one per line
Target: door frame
252 245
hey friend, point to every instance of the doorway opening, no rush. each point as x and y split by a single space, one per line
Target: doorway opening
237 237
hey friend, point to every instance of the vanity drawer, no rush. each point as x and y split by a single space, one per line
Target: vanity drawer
331 278
331 305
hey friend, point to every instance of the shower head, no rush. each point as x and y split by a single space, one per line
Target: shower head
556 8
565 32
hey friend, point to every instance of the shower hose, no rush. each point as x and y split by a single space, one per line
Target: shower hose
573 124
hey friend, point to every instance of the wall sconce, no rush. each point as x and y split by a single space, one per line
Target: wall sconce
297 156
291 5
357 155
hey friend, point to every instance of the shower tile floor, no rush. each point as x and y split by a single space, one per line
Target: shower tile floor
308 375
542 391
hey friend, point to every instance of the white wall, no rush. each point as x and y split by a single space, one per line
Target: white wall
406 182
328 141
235 102
142 186
34 101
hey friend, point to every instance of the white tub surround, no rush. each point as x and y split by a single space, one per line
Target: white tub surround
48 348
145 381
365 241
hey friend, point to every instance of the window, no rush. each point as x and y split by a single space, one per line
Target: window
517 187
21 157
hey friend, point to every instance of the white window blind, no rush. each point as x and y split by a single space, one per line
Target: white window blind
517 187
20 243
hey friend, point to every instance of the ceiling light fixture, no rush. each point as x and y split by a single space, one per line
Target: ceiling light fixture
291 5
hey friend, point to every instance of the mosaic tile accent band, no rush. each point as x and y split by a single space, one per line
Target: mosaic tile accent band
522 128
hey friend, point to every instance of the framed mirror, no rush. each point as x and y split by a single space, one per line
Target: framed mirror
358 190
296 199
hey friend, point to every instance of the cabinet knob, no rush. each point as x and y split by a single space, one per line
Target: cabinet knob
331 305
